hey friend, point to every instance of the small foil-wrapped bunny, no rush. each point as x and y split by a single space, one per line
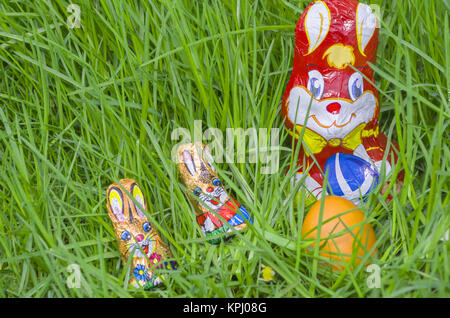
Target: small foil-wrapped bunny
331 103
216 211
136 236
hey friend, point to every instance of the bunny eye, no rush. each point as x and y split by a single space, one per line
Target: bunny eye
216 182
197 191
126 236
316 84
146 227
355 86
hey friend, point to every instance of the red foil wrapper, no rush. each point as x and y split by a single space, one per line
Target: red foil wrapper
330 102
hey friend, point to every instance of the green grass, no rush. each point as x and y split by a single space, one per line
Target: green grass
83 108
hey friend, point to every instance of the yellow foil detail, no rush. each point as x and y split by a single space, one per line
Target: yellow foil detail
316 142
339 55
375 148
334 142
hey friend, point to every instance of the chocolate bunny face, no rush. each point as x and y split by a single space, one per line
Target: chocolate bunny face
201 178
132 227
324 93
135 235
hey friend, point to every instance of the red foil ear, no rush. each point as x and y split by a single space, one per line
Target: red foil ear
329 35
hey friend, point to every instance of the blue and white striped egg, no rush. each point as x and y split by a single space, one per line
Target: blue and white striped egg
350 177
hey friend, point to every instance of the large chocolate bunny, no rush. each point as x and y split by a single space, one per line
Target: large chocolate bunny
136 236
330 100
216 211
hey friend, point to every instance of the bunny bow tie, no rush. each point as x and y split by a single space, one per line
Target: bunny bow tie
316 142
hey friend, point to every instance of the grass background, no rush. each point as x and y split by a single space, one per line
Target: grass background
82 108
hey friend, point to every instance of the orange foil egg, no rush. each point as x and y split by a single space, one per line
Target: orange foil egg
344 235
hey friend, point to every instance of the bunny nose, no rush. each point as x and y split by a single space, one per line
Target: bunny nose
334 108
210 189
139 237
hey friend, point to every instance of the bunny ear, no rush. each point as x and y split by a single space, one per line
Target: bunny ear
208 157
365 26
139 197
189 162
317 24
116 203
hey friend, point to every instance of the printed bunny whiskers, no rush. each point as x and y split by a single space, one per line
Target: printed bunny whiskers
136 236
216 211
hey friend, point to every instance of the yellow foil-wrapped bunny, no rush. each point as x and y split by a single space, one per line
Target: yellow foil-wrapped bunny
136 236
